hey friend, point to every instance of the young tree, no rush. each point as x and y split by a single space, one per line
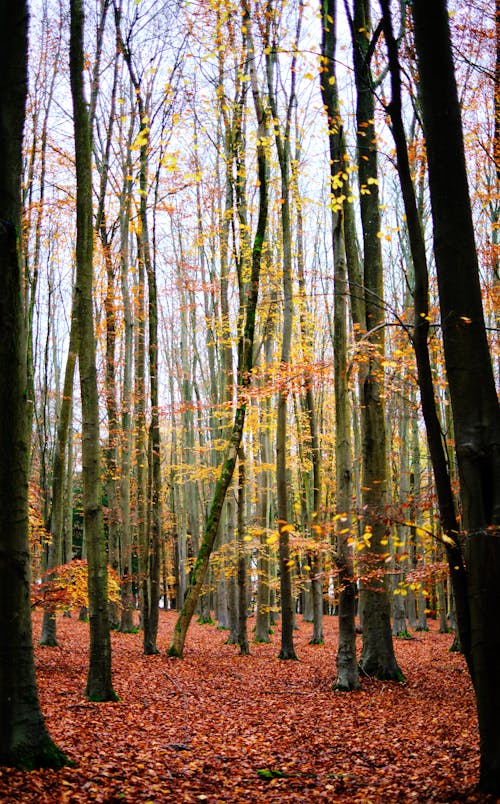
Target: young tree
476 412
99 683
24 741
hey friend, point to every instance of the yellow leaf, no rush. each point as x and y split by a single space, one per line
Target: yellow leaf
141 139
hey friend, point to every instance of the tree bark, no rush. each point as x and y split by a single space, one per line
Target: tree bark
282 140
56 520
476 412
377 656
24 741
347 668
99 683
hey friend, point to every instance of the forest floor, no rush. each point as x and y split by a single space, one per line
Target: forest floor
219 727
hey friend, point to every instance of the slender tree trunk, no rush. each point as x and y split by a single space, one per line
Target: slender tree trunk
99 683
56 522
127 596
242 573
347 668
282 140
313 499
263 623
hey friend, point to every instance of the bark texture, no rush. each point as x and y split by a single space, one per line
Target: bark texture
476 412
99 684
24 741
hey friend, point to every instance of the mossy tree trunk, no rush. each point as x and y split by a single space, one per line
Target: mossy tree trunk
24 740
99 682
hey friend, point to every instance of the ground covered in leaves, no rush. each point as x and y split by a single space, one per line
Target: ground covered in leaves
219 727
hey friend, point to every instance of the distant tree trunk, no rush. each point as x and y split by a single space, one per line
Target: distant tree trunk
69 495
403 534
99 683
148 444
242 573
313 498
127 596
475 407
49 634
24 741
154 459
263 620
347 667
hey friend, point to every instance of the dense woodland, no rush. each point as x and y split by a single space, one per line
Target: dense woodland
249 305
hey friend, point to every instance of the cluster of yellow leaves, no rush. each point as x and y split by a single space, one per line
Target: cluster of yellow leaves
65 587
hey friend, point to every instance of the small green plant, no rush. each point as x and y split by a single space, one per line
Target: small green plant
267 773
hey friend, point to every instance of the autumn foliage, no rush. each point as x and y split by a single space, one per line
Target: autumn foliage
219 727
66 587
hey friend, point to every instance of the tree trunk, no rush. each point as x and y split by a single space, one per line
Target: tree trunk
476 412
264 505
24 741
377 656
282 140
49 632
99 684
127 596
347 668
242 573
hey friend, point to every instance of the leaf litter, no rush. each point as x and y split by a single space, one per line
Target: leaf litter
220 727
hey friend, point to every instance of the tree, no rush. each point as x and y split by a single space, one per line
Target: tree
347 668
56 520
245 363
99 684
24 740
377 656
282 136
476 412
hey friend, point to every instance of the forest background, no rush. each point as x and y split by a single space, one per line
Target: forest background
254 307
